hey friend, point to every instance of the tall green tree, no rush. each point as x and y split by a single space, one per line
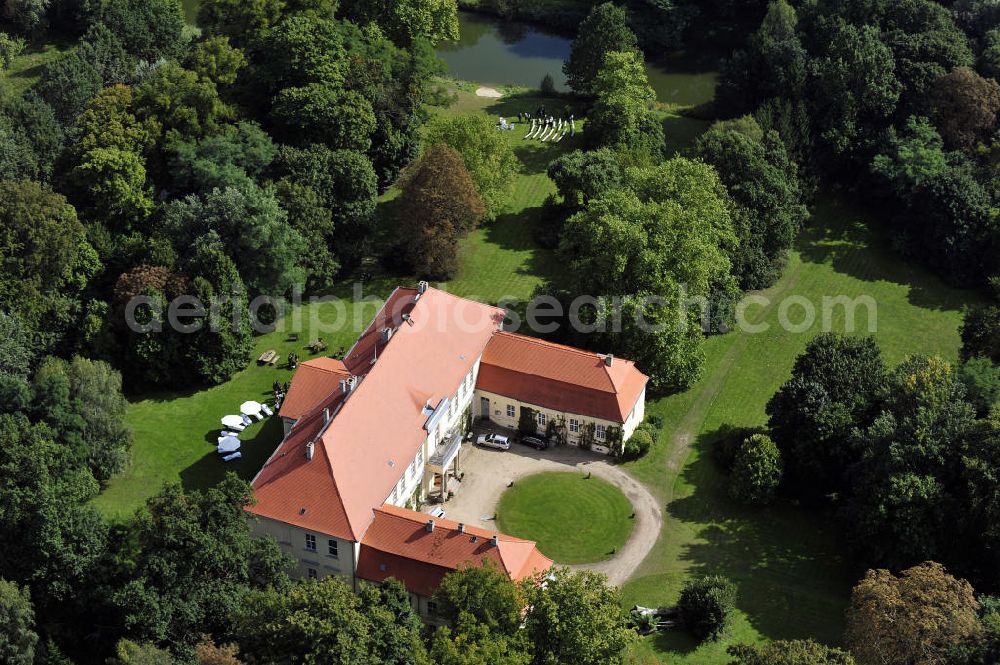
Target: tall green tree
485 594
148 29
604 30
576 617
253 230
621 117
406 21
17 625
981 333
45 259
834 384
215 59
313 622
195 564
763 184
903 489
854 90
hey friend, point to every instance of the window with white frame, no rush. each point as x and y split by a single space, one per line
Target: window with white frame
310 542
574 425
600 432
420 456
541 419
412 470
510 410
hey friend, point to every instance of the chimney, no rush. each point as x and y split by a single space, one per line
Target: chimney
421 287
461 527
347 385
310 449
386 335
430 526
494 541
326 414
609 359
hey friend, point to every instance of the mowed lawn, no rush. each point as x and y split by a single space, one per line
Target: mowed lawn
27 67
176 431
574 518
789 564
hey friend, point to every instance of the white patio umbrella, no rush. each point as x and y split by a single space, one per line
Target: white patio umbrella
235 422
250 408
229 444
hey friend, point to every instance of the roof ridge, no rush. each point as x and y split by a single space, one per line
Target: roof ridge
418 518
612 386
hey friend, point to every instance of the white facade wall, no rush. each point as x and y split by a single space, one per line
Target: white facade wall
292 540
506 412
458 401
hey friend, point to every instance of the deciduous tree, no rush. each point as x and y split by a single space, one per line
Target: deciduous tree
487 154
757 470
439 205
576 617
604 30
706 606
912 619
621 118
17 625
965 107
792 652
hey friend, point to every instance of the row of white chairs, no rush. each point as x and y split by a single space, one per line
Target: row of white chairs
554 133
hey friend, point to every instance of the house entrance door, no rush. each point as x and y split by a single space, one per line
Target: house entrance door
484 407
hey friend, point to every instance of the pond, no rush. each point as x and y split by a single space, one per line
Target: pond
496 52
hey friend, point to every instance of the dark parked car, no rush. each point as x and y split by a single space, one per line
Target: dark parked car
535 442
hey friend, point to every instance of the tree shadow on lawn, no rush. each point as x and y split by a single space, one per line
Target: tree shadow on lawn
210 468
680 133
847 237
515 231
793 582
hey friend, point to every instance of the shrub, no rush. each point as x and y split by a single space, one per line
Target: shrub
548 86
654 420
527 422
729 441
756 471
638 444
706 606
10 48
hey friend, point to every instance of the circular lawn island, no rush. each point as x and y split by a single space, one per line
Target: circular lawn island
573 518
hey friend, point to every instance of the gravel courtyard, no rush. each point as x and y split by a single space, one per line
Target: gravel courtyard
489 472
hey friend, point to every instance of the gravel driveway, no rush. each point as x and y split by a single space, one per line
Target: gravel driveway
488 472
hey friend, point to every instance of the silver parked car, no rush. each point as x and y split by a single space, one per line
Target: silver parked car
497 441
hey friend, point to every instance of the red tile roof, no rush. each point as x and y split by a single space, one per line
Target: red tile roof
360 357
313 381
561 378
295 490
399 545
378 428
